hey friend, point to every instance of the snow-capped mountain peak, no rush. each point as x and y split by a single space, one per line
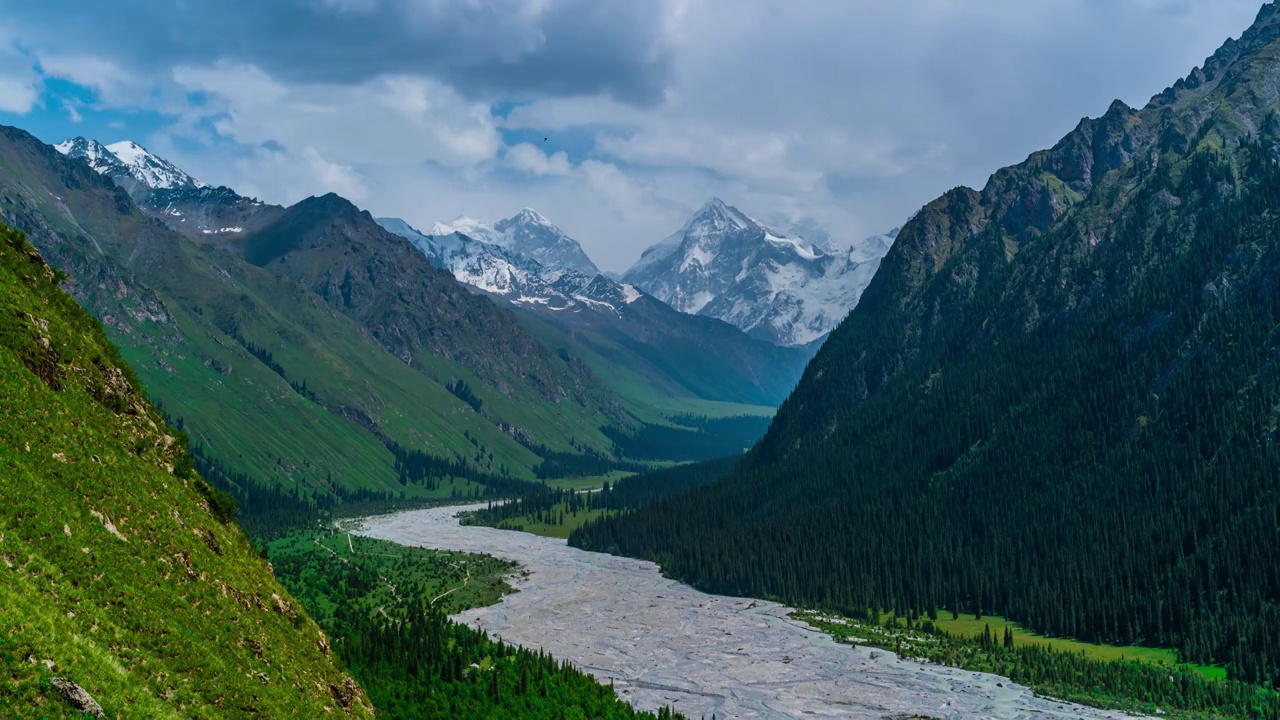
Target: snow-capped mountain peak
130 159
776 284
716 215
530 216
468 226
527 233
531 234
499 270
94 153
151 170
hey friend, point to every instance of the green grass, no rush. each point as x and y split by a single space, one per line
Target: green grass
970 626
116 571
1141 680
455 581
572 521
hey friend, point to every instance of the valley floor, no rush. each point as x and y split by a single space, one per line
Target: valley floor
661 642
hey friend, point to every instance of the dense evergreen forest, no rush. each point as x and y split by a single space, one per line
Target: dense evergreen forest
1074 424
1143 688
377 604
697 438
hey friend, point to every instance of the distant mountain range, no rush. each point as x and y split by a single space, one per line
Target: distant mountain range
776 285
168 193
312 350
600 318
309 347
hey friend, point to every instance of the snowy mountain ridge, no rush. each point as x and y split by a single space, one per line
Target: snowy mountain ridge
464 248
774 284
527 233
131 159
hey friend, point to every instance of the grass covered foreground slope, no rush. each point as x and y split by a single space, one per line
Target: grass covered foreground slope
117 574
1058 400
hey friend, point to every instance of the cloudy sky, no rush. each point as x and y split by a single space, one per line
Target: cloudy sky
615 118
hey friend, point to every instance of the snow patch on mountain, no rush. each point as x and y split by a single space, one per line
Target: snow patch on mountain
151 170
462 247
131 159
775 284
527 233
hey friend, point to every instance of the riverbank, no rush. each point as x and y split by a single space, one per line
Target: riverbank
663 643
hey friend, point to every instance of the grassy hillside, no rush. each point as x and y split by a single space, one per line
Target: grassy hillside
118 574
271 379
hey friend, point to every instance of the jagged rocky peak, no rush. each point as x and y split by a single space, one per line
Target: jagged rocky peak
784 281
531 234
129 159
527 233
94 153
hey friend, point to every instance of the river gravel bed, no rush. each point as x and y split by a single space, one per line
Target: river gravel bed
664 643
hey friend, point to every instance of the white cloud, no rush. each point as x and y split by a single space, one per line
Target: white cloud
21 87
288 176
112 84
386 121
530 159
19 92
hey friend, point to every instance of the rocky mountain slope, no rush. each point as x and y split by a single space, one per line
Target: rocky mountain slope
130 164
129 593
775 285
627 336
1057 401
410 307
166 192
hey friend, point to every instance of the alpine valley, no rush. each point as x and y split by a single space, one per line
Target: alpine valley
1018 458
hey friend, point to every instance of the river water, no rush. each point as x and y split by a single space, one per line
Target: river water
664 643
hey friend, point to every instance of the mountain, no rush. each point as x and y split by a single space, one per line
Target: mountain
624 334
130 164
339 252
775 285
214 215
1057 401
133 593
343 367
529 234
166 192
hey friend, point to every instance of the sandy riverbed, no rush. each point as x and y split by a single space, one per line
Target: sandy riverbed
662 642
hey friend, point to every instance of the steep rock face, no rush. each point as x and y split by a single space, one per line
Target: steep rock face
1089 342
776 286
210 215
